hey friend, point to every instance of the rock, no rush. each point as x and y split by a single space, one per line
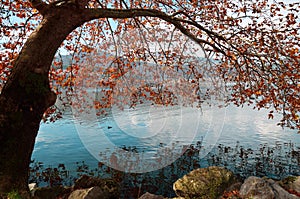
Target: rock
234 187
108 186
204 183
280 192
86 181
51 192
232 191
90 193
260 188
256 187
291 183
32 187
148 195
296 184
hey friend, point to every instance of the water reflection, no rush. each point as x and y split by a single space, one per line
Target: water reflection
60 143
278 161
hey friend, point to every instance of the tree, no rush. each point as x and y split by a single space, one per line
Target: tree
255 45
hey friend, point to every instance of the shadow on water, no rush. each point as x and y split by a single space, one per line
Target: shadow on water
277 162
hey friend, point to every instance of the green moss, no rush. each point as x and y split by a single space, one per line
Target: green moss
13 195
204 183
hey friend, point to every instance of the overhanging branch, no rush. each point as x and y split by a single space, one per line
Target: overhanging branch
96 13
82 3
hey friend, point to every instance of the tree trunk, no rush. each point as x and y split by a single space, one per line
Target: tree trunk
27 95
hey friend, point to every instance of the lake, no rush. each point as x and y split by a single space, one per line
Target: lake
150 138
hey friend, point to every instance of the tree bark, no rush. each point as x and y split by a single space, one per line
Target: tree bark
27 95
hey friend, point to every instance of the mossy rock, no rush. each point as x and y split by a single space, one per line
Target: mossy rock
208 183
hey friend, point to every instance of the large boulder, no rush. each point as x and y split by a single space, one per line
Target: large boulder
108 186
256 187
262 188
205 183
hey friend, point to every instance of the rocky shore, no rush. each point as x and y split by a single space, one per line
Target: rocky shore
203 183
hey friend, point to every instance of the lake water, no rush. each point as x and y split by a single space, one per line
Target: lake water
147 129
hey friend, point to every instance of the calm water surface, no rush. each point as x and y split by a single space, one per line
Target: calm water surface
146 128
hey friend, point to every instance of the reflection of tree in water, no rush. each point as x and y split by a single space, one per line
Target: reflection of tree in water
278 161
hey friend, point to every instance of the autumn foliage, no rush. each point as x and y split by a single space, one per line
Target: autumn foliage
251 48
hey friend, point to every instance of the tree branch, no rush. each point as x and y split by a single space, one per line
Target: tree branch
40 6
82 3
91 14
